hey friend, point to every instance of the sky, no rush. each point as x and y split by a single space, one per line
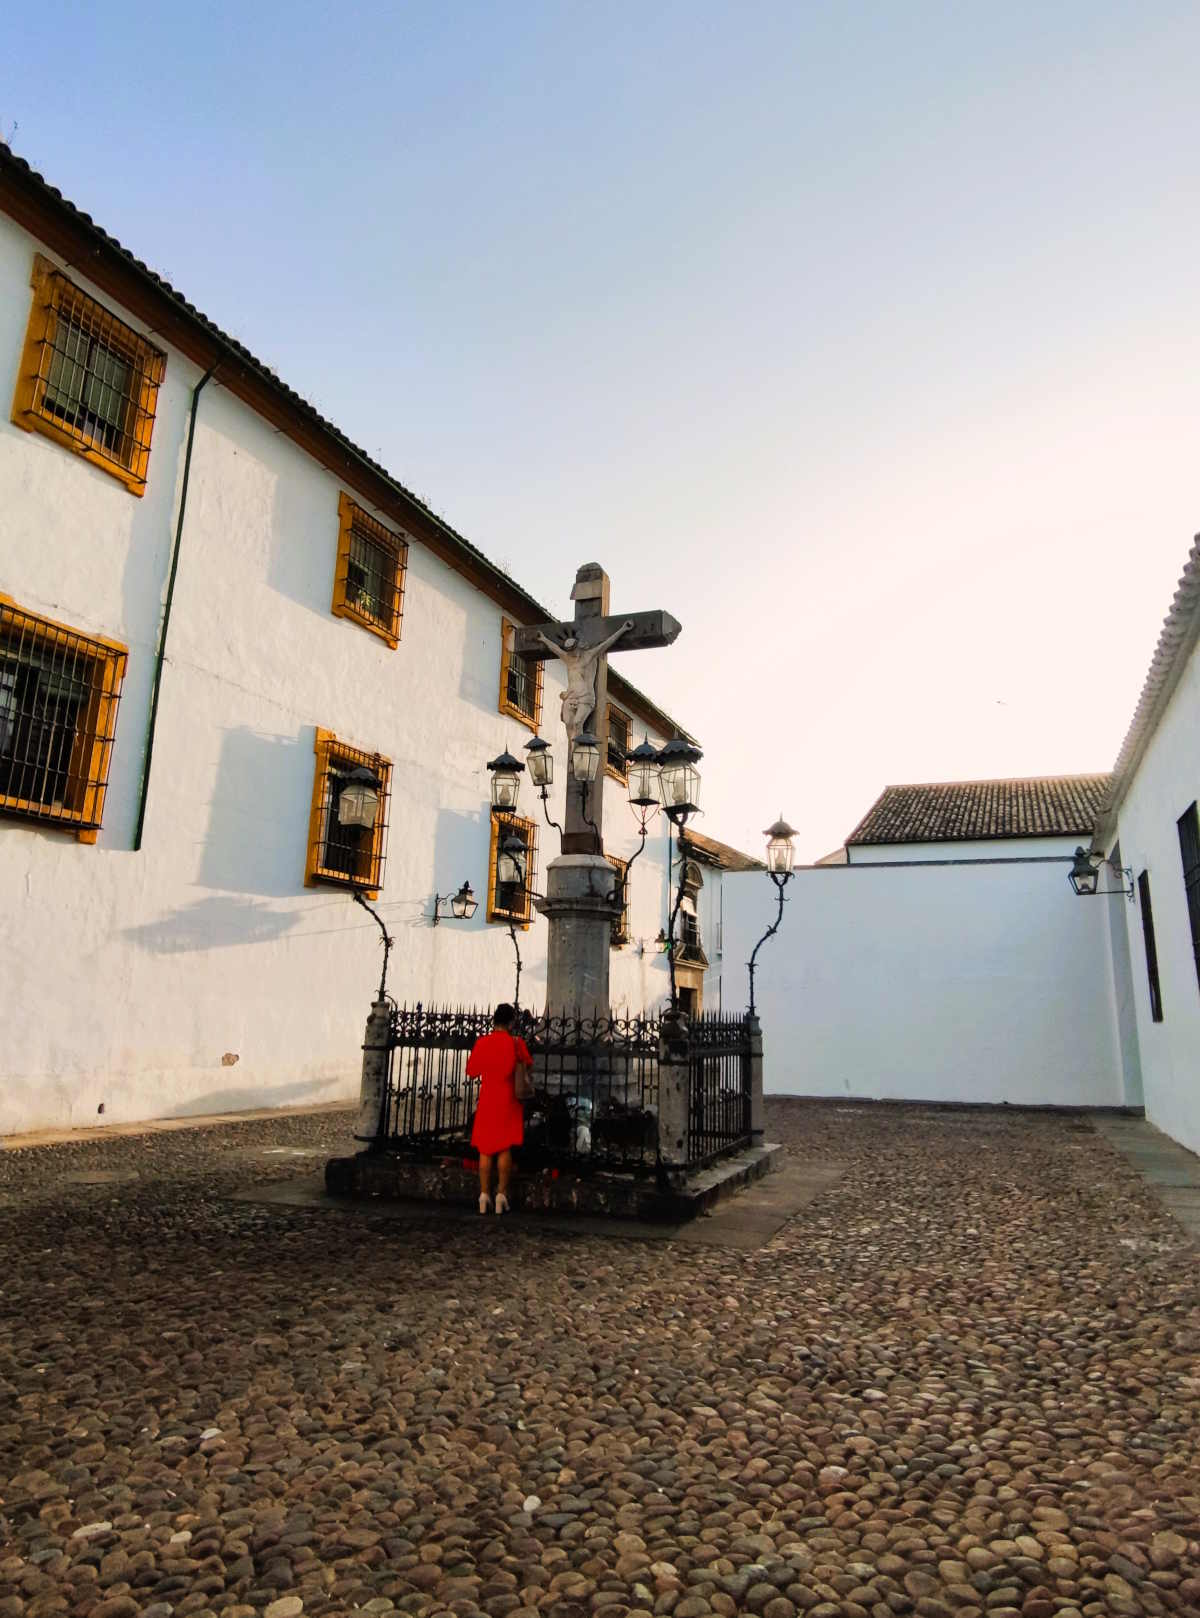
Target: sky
863 338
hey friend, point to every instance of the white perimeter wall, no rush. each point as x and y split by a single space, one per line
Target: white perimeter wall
1167 781
952 983
200 974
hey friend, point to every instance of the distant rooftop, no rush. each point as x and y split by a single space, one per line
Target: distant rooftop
958 811
724 857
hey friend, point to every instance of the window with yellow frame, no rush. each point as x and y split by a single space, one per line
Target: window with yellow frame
341 854
59 691
617 748
512 901
368 579
520 681
86 379
619 935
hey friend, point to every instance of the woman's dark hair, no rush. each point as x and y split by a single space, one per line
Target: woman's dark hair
503 1015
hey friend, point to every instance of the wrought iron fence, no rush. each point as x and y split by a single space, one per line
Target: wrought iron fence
596 1083
718 1085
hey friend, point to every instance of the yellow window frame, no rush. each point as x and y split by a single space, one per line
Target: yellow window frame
352 516
620 935
611 769
91 750
56 298
329 751
500 824
507 630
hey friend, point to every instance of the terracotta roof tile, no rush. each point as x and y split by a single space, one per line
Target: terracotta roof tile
956 811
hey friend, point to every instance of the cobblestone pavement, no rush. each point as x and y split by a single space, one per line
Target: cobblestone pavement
965 1380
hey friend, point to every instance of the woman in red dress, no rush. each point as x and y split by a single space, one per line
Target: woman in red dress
499 1121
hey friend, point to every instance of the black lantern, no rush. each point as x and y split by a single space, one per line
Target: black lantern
679 778
1084 875
780 856
463 904
358 800
585 756
510 861
506 781
643 776
541 762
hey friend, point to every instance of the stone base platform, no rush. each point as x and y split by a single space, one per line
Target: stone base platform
549 1191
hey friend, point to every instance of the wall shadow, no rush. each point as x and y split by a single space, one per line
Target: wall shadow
216 923
258 814
296 567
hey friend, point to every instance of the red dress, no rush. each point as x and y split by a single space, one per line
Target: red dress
499 1119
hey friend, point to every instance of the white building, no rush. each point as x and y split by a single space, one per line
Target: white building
213 606
942 955
1148 828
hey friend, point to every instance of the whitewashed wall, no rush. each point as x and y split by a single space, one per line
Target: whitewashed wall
131 981
1166 782
952 983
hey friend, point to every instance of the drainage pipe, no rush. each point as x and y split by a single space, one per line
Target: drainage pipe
160 654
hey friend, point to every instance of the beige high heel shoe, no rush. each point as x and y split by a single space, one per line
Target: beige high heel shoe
501 1203
485 1202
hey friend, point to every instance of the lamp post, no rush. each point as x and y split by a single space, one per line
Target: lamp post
511 860
679 789
1084 875
541 773
585 762
358 809
780 861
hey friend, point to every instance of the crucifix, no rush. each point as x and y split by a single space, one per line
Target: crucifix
583 645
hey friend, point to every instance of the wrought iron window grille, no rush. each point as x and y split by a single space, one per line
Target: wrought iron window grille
521 680
87 379
368 584
617 749
59 693
346 856
512 901
619 934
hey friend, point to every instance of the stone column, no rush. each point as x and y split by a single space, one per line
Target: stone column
674 1120
758 1122
373 1090
579 908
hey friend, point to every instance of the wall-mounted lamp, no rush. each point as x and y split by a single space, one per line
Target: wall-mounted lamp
463 904
1084 875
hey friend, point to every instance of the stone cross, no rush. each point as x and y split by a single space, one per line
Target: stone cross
583 645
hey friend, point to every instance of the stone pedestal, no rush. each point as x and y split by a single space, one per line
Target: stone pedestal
579 906
758 1122
376 1047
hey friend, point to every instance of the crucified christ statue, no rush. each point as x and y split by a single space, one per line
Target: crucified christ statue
579 698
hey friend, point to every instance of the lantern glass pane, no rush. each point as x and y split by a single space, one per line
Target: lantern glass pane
779 855
585 761
541 767
358 805
504 790
643 783
509 869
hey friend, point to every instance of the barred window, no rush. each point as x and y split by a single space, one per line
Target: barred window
368 582
512 901
1143 887
346 855
59 691
618 743
1188 826
87 379
619 934
520 680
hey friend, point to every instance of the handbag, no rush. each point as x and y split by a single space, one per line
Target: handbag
522 1079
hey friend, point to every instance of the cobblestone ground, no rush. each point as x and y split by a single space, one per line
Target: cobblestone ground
963 1381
